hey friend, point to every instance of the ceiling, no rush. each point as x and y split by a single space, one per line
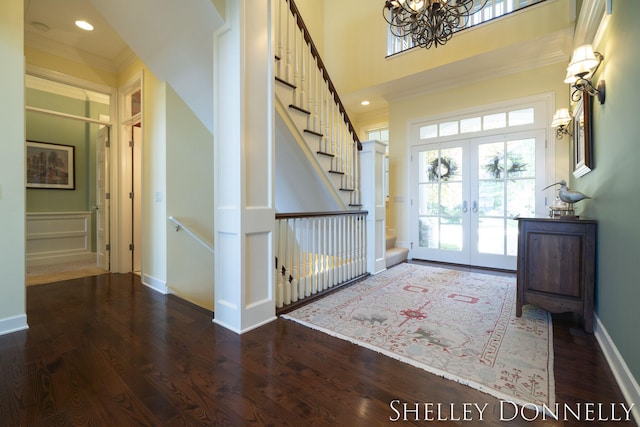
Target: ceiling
49 25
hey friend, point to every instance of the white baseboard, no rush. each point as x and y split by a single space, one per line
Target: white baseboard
13 324
625 379
155 284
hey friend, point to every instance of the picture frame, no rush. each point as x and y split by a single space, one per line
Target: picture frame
582 155
50 166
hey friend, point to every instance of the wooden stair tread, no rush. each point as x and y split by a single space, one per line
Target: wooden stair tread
300 109
313 132
323 153
286 83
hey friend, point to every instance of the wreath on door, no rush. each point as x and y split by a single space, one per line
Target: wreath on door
442 168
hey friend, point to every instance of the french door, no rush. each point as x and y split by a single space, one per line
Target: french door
465 194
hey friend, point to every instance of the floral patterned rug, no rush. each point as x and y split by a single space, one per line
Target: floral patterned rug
455 324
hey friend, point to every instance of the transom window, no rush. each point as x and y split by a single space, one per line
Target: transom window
499 120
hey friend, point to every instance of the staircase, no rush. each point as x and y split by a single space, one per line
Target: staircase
309 105
394 255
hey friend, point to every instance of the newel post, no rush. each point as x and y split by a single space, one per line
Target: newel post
372 188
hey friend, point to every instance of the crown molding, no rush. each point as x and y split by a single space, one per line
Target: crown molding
593 16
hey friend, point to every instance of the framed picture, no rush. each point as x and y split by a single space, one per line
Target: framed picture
50 166
582 156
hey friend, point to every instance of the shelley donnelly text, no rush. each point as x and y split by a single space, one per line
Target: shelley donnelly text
509 411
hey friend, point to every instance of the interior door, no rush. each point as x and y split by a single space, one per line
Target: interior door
136 152
102 198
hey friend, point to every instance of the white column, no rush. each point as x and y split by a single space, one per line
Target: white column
243 167
372 188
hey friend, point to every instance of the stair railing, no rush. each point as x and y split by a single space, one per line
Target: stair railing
299 66
180 226
317 252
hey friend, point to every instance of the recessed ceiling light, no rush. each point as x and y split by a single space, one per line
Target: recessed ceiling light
84 25
365 102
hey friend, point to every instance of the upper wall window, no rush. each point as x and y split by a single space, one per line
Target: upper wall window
491 10
495 120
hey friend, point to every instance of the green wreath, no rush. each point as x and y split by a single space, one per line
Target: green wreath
442 168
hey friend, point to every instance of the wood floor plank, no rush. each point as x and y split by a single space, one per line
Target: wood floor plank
107 351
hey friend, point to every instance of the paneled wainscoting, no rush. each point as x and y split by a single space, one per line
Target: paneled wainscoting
55 237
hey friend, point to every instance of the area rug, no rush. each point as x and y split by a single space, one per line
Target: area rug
455 324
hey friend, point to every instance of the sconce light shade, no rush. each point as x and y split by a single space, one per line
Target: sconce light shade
561 118
584 64
583 61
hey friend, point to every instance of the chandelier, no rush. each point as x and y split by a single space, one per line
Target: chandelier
428 22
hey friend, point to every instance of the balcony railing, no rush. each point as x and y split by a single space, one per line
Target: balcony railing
491 10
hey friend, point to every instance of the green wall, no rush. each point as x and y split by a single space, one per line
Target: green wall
59 130
613 184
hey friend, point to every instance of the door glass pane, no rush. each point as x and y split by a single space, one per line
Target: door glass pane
450 164
491 236
491 198
426 162
451 236
521 158
428 236
521 197
428 200
491 161
451 199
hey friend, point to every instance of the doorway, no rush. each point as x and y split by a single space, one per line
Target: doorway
131 152
469 182
66 226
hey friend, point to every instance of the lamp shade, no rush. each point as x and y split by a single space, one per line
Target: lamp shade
582 61
561 118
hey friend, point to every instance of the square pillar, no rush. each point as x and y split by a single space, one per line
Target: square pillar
244 167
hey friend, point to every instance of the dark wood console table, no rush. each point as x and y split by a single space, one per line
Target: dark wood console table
556 266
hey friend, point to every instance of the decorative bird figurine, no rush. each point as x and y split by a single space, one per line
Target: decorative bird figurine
566 194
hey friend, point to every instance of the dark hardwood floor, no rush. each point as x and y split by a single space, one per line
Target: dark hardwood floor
107 351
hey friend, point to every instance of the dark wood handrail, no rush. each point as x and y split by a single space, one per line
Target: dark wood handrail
317 214
325 73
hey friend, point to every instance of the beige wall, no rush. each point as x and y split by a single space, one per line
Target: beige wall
313 13
190 199
53 62
357 34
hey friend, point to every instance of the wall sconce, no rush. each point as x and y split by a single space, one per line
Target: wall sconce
584 64
561 120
